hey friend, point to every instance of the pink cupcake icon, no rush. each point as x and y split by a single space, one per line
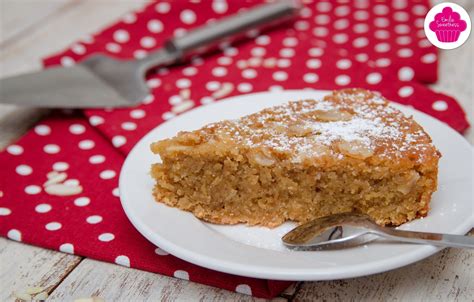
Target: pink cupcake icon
448 25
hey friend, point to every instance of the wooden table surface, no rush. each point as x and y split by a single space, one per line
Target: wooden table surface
30 30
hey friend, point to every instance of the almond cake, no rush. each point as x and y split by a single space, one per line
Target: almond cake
306 159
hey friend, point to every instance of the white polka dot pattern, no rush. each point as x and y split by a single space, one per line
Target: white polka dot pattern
15 149
163 7
67 61
14 234
51 148
332 45
280 76
94 219
249 73
313 63
405 91
155 26
161 252
188 16
32 189
82 201
96 159
116 192
67 248
440 105
60 166
139 54
77 129
96 120
137 113
244 289
244 87
121 36
119 140
123 260
107 174
5 211
374 78
106 237
86 144
147 42
406 73
24 170
53 226
43 208
310 78
181 274
42 130
343 80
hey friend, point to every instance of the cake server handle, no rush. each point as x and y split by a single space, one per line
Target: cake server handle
438 239
235 25
229 28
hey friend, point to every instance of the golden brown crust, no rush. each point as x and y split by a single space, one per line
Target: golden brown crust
298 161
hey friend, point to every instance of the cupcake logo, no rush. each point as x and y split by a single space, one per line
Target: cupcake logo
447 25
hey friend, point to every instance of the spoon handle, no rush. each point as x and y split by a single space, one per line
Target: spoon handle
444 240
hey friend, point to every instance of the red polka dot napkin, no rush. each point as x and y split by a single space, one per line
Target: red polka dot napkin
333 44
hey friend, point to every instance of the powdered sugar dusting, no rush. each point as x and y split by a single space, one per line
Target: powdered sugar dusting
350 121
357 129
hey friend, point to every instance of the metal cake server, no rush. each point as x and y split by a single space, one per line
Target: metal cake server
102 81
351 229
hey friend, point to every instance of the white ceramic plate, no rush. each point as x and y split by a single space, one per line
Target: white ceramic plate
257 251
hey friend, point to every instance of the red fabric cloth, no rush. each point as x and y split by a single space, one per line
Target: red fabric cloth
379 46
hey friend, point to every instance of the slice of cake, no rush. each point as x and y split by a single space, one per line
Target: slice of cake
350 151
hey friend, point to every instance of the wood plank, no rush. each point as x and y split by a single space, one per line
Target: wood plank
25 54
18 17
23 266
445 276
116 283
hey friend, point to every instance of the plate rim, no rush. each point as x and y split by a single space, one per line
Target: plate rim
354 270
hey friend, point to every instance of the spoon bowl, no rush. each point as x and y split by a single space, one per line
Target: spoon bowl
331 232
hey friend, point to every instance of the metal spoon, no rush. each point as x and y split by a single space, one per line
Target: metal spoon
351 229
